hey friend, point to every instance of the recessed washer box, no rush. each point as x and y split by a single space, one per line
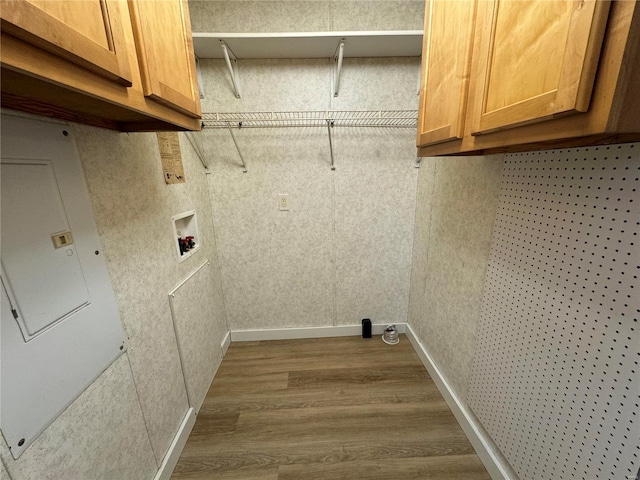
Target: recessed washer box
186 237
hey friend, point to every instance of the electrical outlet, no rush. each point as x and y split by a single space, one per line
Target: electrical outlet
283 202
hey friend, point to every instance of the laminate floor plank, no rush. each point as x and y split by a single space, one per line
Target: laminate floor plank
313 450
327 420
342 352
238 384
267 438
318 362
329 408
455 467
316 397
334 378
202 472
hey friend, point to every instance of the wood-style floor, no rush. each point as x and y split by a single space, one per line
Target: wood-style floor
331 408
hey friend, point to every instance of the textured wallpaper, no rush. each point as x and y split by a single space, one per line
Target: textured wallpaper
425 201
306 84
229 16
100 436
343 251
378 84
374 201
456 205
267 85
199 330
133 207
276 266
3 471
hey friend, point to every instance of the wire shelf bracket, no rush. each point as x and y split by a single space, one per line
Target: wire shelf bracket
329 127
232 62
235 142
337 71
199 76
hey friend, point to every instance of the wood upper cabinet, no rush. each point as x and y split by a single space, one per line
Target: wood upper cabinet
80 32
164 47
122 65
541 59
445 70
544 74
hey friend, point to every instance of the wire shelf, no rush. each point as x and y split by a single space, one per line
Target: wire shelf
337 118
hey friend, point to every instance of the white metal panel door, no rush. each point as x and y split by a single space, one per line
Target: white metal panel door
46 278
66 329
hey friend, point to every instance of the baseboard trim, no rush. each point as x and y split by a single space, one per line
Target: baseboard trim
226 341
307 332
175 450
483 444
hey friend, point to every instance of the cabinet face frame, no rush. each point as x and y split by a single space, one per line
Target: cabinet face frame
28 22
572 93
149 57
448 86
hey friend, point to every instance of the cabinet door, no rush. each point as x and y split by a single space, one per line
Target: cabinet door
535 60
165 53
87 33
445 70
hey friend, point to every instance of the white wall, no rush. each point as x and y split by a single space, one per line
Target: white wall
123 424
457 200
533 334
343 251
230 16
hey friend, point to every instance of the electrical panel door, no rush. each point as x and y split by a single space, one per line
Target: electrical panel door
59 324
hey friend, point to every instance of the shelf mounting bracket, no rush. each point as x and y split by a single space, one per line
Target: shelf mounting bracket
329 127
235 142
337 58
232 62
199 75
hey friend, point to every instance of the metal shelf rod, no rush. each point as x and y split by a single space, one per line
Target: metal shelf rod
235 142
329 127
338 69
234 73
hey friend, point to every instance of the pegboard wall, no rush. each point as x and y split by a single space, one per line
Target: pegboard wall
555 377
